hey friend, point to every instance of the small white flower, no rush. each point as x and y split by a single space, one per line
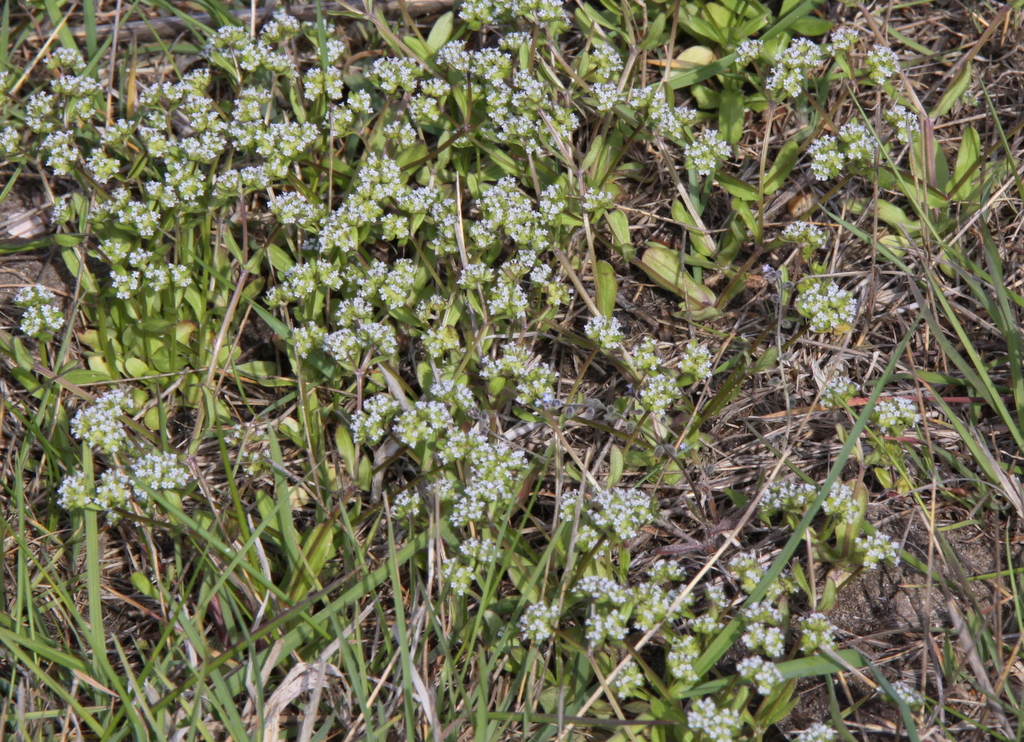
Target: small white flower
764 674
538 621
707 152
748 51
883 63
877 548
718 724
605 331
816 732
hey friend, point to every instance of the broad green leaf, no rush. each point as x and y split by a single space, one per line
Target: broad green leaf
736 187
615 466
665 267
966 160
619 224
730 115
695 56
607 287
782 166
812 26
136 368
953 92
317 549
702 243
21 355
655 34
441 33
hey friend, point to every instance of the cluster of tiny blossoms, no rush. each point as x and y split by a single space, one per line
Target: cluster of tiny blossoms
893 416
717 723
41 319
827 307
616 513
99 424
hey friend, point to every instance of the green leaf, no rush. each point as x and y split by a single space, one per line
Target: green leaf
52 240
736 187
71 260
655 34
966 159
136 368
82 376
702 243
441 33
665 267
828 597
615 466
607 287
812 26
21 355
730 115
782 167
317 549
619 224
961 82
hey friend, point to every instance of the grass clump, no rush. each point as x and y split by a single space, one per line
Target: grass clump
338 414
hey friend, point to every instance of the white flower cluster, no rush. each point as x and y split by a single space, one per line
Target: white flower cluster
893 416
809 235
903 121
883 64
908 694
747 570
789 496
475 551
617 512
370 423
605 331
99 426
817 633
748 51
839 391
492 474
538 621
877 548
695 360
607 625
816 732
764 674
668 121
629 680
535 382
707 152
479 13
842 502
42 319
826 157
607 61
602 590
859 145
607 95
827 307
718 724
158 471
653 605
793 66
760 637
842 40
764 612
682 653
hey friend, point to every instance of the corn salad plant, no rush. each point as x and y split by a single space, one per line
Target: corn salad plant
339 428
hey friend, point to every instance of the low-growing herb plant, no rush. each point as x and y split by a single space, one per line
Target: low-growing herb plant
434 230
